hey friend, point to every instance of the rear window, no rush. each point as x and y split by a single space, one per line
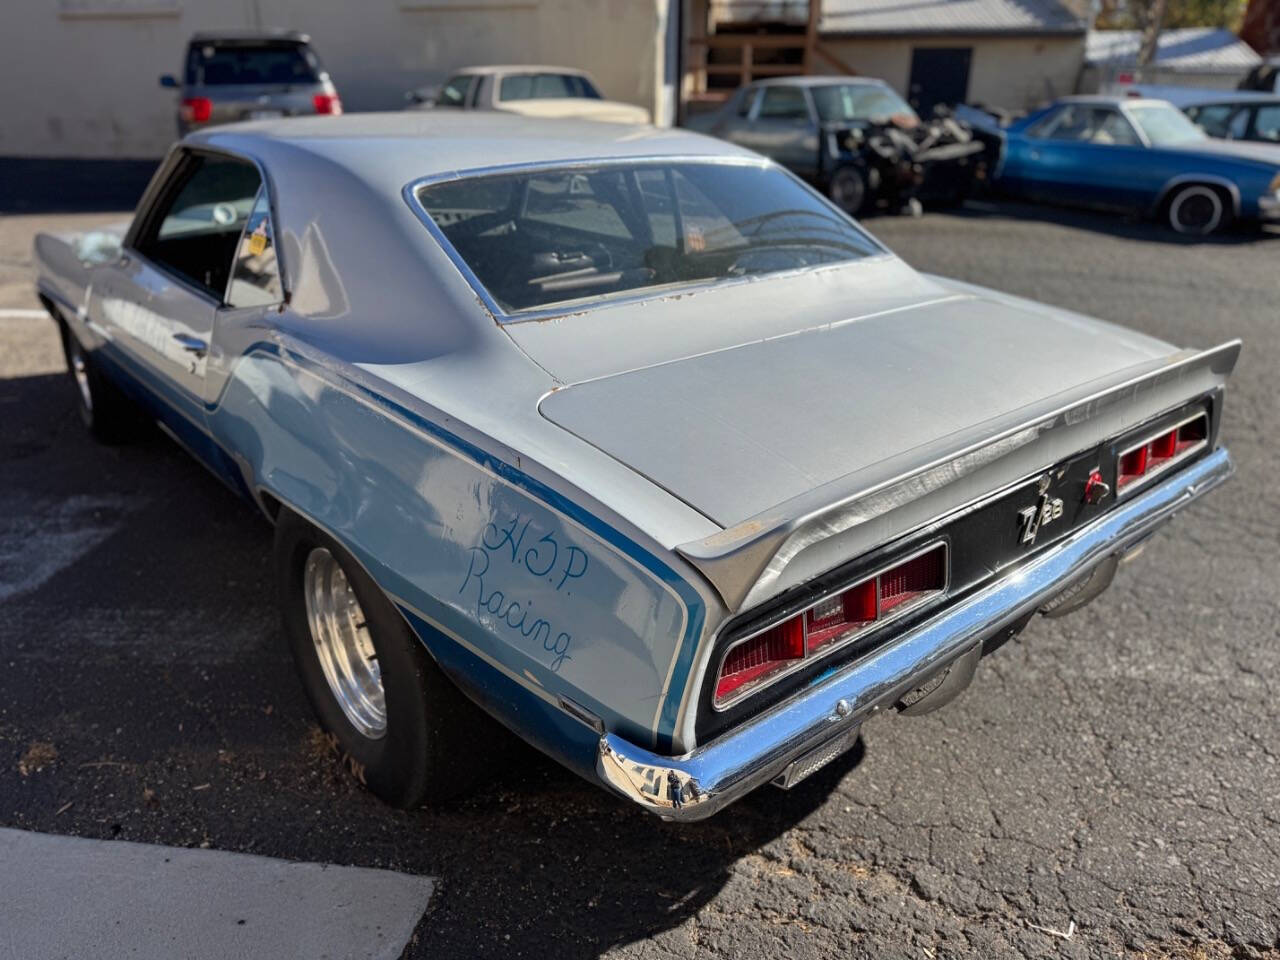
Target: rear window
545 238
543 86
213 64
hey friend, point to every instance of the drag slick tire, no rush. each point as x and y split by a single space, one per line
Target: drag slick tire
109 415
403 729
1197 210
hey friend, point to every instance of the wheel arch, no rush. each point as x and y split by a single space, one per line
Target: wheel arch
1197 179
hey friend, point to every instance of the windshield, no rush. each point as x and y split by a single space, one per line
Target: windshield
544 86
544 238
1166 125
858 101
275 63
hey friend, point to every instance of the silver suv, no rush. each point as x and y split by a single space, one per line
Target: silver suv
234 76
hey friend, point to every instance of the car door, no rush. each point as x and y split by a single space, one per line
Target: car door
1082 154
784 127
157 304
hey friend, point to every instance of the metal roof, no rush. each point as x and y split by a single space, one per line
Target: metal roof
1193 49
949 16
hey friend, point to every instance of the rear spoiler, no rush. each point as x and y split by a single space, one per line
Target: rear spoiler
816 531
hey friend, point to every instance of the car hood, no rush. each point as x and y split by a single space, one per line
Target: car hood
738 430
580 107
1241 149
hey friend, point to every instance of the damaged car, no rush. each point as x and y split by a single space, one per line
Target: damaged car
859 142
632 440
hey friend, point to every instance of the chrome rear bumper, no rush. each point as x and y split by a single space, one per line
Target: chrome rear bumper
696 785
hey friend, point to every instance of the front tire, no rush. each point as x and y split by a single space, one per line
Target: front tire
402 726
848 189
1197 210
106 412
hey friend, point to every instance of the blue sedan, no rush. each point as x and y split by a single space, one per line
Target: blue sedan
1138 156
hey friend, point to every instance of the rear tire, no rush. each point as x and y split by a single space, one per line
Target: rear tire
1197 210
404 729
106 412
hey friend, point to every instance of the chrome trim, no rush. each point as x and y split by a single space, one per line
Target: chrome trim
1176 458
844 639
410 194
717 773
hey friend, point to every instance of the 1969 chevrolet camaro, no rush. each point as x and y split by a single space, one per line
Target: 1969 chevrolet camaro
625 433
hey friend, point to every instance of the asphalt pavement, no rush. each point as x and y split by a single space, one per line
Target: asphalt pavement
1109 786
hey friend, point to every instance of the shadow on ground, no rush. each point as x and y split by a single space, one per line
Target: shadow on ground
1115 225
149 674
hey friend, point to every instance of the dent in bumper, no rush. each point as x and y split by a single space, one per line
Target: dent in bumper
697 784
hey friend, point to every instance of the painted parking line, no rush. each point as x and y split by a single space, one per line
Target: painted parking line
72 897
15 314
39 537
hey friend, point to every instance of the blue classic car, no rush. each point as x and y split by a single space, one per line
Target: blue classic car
634 441
1138 156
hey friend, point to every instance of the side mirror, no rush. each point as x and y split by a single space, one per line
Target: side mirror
169 80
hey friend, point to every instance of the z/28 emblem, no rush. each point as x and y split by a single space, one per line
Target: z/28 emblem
1031 519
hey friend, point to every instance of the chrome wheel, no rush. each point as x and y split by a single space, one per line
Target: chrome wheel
80 371
343 644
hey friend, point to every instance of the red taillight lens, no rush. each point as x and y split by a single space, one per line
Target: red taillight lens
755 662
1158 452
197 109
1132 466
327 103
907 582
751 662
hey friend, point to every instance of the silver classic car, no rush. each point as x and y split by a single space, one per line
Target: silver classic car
625 435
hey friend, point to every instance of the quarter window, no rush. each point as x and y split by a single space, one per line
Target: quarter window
195 232
1266 125
255 275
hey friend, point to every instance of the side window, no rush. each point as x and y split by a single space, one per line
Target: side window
1109 127
454 91
196 228
783 103
745 101
1213 119
1266 123
1070 122
255 275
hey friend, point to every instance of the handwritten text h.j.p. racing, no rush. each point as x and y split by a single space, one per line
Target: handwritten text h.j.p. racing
545 559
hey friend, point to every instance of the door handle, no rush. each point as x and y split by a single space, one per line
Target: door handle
192 344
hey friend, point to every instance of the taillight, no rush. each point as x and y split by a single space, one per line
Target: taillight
1156 453
753 663
327 103
197 109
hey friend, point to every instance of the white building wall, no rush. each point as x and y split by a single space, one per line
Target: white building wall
80 77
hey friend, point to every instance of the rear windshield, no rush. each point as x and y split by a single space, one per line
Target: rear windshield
543 86
545 238
213 64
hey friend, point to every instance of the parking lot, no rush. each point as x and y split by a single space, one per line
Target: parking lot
1110 785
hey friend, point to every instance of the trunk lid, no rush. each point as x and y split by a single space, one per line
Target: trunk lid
736 431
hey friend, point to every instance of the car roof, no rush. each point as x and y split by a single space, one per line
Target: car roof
520 68
819 81
1233 96
1108 100
248 36
389 150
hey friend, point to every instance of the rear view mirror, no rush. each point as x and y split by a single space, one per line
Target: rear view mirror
169 80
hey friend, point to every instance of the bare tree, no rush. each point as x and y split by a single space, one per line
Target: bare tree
1150 16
